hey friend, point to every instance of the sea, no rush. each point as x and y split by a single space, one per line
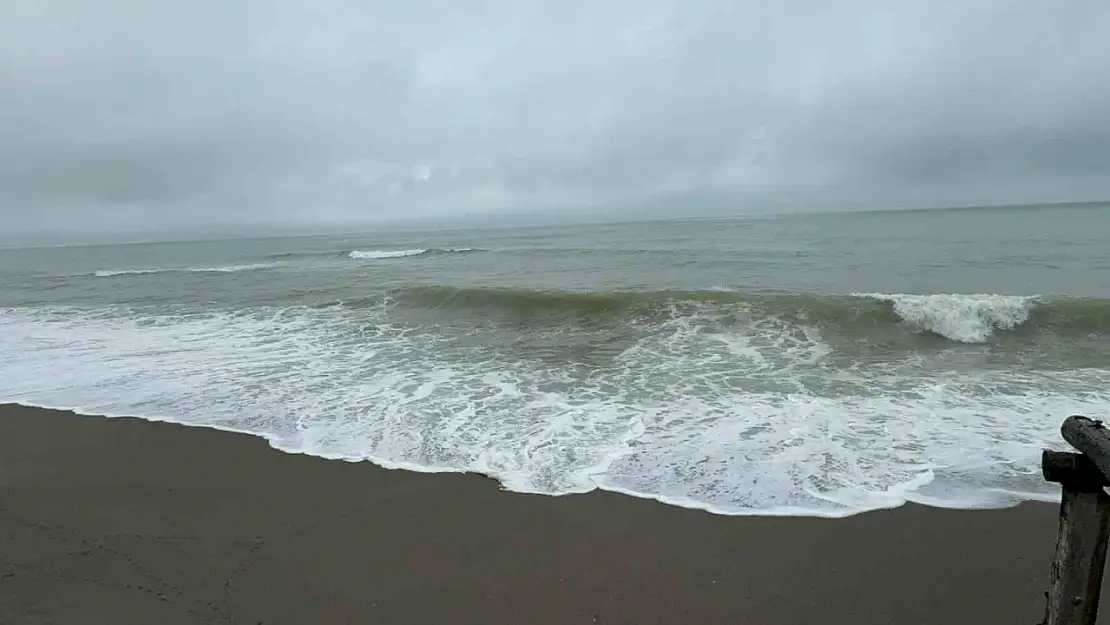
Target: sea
803 364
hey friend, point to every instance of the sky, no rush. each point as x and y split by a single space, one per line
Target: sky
160 114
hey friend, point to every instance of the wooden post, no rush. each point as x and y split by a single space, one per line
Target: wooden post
1080 558
1090 438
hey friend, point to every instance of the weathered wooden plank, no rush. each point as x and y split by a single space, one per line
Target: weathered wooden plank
1090 438
1077 470
1080 558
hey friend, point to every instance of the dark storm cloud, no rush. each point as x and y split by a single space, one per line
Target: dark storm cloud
177 113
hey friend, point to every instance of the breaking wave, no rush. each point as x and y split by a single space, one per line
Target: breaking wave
963 318
765 417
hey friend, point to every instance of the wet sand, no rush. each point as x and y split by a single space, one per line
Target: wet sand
121 521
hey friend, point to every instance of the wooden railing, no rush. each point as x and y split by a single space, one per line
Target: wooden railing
1080 557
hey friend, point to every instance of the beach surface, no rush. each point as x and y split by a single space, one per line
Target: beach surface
121 521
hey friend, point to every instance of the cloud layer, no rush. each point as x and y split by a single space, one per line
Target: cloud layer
171 114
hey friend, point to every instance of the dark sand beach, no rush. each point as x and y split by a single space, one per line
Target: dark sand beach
121 521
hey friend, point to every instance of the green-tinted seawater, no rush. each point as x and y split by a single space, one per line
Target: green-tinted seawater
802 364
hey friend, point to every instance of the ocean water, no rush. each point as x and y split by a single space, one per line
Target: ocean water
803 364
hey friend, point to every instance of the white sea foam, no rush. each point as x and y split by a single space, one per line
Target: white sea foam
380 254
110 273
748 419
377 254
970 318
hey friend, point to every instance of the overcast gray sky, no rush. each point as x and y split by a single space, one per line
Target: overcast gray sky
176 113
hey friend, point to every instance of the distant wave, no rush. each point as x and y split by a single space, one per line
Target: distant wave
111 273
126 272
381 254
375 254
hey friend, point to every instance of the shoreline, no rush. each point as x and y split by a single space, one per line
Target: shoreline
1019 497
128 520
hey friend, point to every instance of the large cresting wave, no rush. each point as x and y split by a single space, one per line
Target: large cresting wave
962 318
